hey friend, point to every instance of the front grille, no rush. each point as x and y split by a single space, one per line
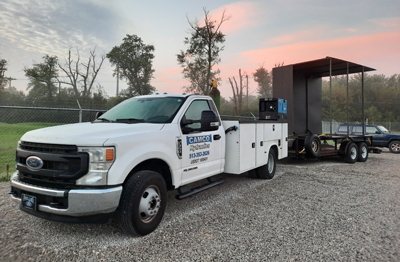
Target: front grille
62 164
49 148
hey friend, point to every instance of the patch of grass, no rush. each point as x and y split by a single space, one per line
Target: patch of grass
10 134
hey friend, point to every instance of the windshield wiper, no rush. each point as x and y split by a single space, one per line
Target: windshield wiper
104 119
130 120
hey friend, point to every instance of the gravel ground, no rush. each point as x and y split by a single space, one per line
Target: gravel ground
323 210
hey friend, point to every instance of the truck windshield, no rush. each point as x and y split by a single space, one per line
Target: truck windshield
144 109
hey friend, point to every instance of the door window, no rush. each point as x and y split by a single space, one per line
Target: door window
371 130
357 129
194 112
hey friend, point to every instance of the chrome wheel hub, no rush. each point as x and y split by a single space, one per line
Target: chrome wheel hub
353 153
149 204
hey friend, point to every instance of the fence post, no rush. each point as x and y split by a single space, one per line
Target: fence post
80 112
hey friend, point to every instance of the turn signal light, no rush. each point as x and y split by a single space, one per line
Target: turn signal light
109 154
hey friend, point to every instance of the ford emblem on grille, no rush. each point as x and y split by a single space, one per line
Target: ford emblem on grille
34 163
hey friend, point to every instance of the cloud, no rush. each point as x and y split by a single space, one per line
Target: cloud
172 71
48 26
296 37
358 49
242 15
390 22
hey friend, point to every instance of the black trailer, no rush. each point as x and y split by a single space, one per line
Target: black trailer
301 85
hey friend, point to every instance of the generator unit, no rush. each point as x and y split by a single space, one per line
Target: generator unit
272 109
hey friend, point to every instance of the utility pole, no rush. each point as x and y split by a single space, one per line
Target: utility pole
9 81
247 86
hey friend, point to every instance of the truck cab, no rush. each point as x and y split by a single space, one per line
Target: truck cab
122 164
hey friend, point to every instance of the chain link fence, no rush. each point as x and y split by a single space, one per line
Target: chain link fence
17 120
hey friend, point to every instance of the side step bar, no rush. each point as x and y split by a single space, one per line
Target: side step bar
185 192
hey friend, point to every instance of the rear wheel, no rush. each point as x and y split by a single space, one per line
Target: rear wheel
351 154
312 145
143 203
268 171
394 147
362 152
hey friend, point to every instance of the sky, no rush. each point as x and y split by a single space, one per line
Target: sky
258 33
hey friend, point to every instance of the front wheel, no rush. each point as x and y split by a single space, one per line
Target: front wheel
142 203
394 147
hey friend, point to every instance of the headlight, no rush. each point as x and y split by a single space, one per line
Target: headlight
100 161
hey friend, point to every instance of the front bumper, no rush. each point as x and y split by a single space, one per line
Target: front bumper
81 202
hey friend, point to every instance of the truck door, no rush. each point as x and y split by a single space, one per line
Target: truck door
202 152
377 136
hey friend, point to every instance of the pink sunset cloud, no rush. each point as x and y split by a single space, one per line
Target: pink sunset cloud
241 16
359 49
296 37
172 71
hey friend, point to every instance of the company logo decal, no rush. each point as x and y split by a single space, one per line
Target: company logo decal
198 139
34 163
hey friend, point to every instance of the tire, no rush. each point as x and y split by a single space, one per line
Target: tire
142 203
253 173
351 154
312 145
362 152
342 148
394 146
268 171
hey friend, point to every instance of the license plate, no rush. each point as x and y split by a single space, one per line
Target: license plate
29 201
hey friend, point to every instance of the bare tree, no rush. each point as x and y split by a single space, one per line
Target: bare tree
237 91
79 75
203 53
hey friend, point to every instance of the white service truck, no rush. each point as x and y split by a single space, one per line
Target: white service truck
122 164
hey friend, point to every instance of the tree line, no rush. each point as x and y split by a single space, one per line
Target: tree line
56 82
381 98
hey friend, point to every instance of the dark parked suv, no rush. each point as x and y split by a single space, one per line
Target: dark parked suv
381 136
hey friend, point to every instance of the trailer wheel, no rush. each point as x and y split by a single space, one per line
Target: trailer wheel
142 203
268 171
351 154
394 147
362 152
312 145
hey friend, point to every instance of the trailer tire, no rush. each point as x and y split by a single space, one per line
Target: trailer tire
312 145
394 146
351 154
142 204
268 171
362 152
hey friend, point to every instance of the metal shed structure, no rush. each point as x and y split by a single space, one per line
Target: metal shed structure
301 85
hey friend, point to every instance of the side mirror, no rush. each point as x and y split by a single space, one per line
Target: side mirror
209 121
377 132
98 114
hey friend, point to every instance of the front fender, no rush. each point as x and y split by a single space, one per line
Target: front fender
130 153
